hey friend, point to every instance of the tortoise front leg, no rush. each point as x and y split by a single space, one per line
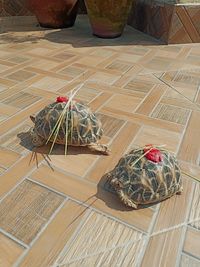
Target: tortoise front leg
99 148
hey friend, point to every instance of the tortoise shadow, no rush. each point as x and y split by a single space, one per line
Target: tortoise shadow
108 195
26 142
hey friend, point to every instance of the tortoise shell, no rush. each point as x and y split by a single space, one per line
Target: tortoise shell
82 127
140 181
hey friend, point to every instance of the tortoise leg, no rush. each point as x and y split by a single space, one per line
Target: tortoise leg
36 139
128 202
99 148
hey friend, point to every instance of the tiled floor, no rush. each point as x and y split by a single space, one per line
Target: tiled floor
60 211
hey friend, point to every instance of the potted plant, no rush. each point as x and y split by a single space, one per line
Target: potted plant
108 17
54 13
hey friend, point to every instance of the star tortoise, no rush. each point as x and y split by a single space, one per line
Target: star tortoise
145 176
83 126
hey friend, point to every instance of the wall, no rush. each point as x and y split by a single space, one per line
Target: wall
18 8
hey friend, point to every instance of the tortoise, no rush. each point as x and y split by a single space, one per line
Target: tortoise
83 126
146 176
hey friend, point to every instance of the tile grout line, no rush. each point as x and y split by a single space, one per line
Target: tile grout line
181 243
109 144
148 236
184 132
22 178
191 256
13 238
143 100
67 246
40 232
88 206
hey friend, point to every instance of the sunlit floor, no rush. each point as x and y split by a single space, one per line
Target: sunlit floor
60 211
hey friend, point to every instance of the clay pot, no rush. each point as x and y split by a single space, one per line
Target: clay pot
108 17
54 13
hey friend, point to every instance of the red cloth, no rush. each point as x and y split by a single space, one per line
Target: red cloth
61 99
154 154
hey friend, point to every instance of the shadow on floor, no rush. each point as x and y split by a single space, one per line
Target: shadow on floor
107 194
26 142
78 36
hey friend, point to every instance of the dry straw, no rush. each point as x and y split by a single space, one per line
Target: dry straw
161 146
55 131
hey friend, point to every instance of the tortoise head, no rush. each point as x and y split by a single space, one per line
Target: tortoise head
116 183
32 117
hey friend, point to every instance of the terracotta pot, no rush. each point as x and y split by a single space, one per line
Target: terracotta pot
108 17
54 13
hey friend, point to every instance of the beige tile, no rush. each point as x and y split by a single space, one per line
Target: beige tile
27 209
162 250
101 240
188 261
129 58
102 52
87 94
122 102
22 116
139 86
151 100
50 84
8 157
158 64
92 195
124 138
119 65
64 55
110 125
3 68
143 119
44 64
90 61
73 71
194 217
99 101
103 77
77 162
191 244
21 100
174 211
9 251
18 139
18 59
151 135
171 113
15 174
40 51
20 75
44 252
190 146
7 110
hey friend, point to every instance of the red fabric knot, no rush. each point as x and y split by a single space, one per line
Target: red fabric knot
61 99
154 154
